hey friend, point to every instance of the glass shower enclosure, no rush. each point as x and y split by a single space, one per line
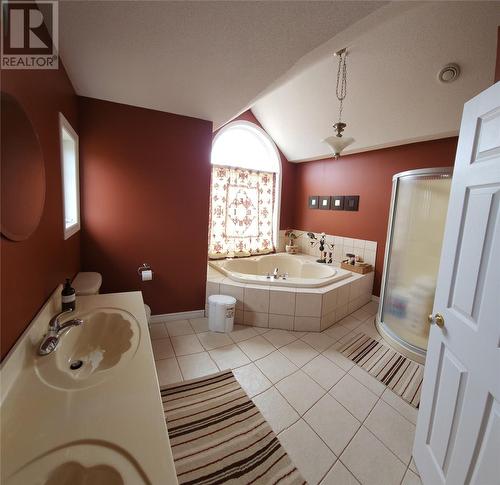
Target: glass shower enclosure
413 249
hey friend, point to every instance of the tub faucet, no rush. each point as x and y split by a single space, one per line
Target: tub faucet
275 273
56 331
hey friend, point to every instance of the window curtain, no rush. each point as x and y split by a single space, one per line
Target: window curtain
242 204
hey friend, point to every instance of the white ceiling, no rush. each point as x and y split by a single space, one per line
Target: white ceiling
204 59
394 96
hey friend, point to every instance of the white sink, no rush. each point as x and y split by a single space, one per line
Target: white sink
90 412
82 463
90 353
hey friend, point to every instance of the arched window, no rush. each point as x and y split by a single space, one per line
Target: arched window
245 192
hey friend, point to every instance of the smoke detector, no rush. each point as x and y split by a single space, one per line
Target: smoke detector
449 73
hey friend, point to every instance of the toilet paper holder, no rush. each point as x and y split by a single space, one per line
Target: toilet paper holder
143 267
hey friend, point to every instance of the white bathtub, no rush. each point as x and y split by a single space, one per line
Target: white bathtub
303 271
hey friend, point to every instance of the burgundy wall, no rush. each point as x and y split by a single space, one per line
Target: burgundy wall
145 179
32 269
368 175
288 172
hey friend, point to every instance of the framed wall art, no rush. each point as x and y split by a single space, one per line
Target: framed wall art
324 202
337 203
313 201
351 202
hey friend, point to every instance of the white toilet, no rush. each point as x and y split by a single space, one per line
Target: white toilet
87 283
147 309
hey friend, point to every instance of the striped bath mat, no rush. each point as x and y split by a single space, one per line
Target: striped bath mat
401 375
218 436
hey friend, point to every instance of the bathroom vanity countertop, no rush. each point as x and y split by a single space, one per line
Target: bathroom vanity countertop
112 432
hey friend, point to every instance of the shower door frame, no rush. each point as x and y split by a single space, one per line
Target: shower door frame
401 345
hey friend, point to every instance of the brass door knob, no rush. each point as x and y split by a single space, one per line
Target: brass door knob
438 319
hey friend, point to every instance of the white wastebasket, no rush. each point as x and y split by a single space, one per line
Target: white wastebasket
221 313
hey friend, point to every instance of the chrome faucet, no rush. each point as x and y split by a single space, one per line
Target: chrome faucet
275 273
56 331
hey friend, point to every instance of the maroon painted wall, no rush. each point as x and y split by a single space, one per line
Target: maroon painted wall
368 175
288 172
32 269
145 179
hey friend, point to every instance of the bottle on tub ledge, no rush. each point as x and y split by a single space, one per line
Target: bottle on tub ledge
68 297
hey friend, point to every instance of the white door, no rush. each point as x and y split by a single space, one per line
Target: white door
458 431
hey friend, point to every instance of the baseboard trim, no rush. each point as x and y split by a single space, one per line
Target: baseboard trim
375 298
167 317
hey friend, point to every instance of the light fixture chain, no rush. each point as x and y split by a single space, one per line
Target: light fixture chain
341 90
337 142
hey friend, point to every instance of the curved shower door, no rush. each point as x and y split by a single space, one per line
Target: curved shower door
416 228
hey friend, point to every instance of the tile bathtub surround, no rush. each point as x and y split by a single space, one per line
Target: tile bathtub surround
308 304
289 308
256 299
282 301
366 249
296 381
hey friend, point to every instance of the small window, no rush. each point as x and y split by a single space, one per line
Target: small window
70 177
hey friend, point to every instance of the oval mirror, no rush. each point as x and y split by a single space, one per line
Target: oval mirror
22 172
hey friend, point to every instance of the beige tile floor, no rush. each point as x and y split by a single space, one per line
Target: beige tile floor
338 424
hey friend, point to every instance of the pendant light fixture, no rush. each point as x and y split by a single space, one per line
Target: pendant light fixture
338 142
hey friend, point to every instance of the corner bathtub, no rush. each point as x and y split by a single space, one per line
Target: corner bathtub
302 271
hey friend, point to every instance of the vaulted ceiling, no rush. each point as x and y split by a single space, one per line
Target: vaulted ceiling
213 60
206 59
393 93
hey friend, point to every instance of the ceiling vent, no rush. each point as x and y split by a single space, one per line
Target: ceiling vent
449 73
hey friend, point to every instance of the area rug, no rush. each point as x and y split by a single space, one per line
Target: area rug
218 435
403 376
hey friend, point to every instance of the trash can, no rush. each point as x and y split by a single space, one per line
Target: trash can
221 313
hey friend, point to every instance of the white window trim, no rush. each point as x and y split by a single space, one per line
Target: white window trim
64 123
277 212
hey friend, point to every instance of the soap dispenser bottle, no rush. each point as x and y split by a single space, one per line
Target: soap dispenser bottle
68 297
